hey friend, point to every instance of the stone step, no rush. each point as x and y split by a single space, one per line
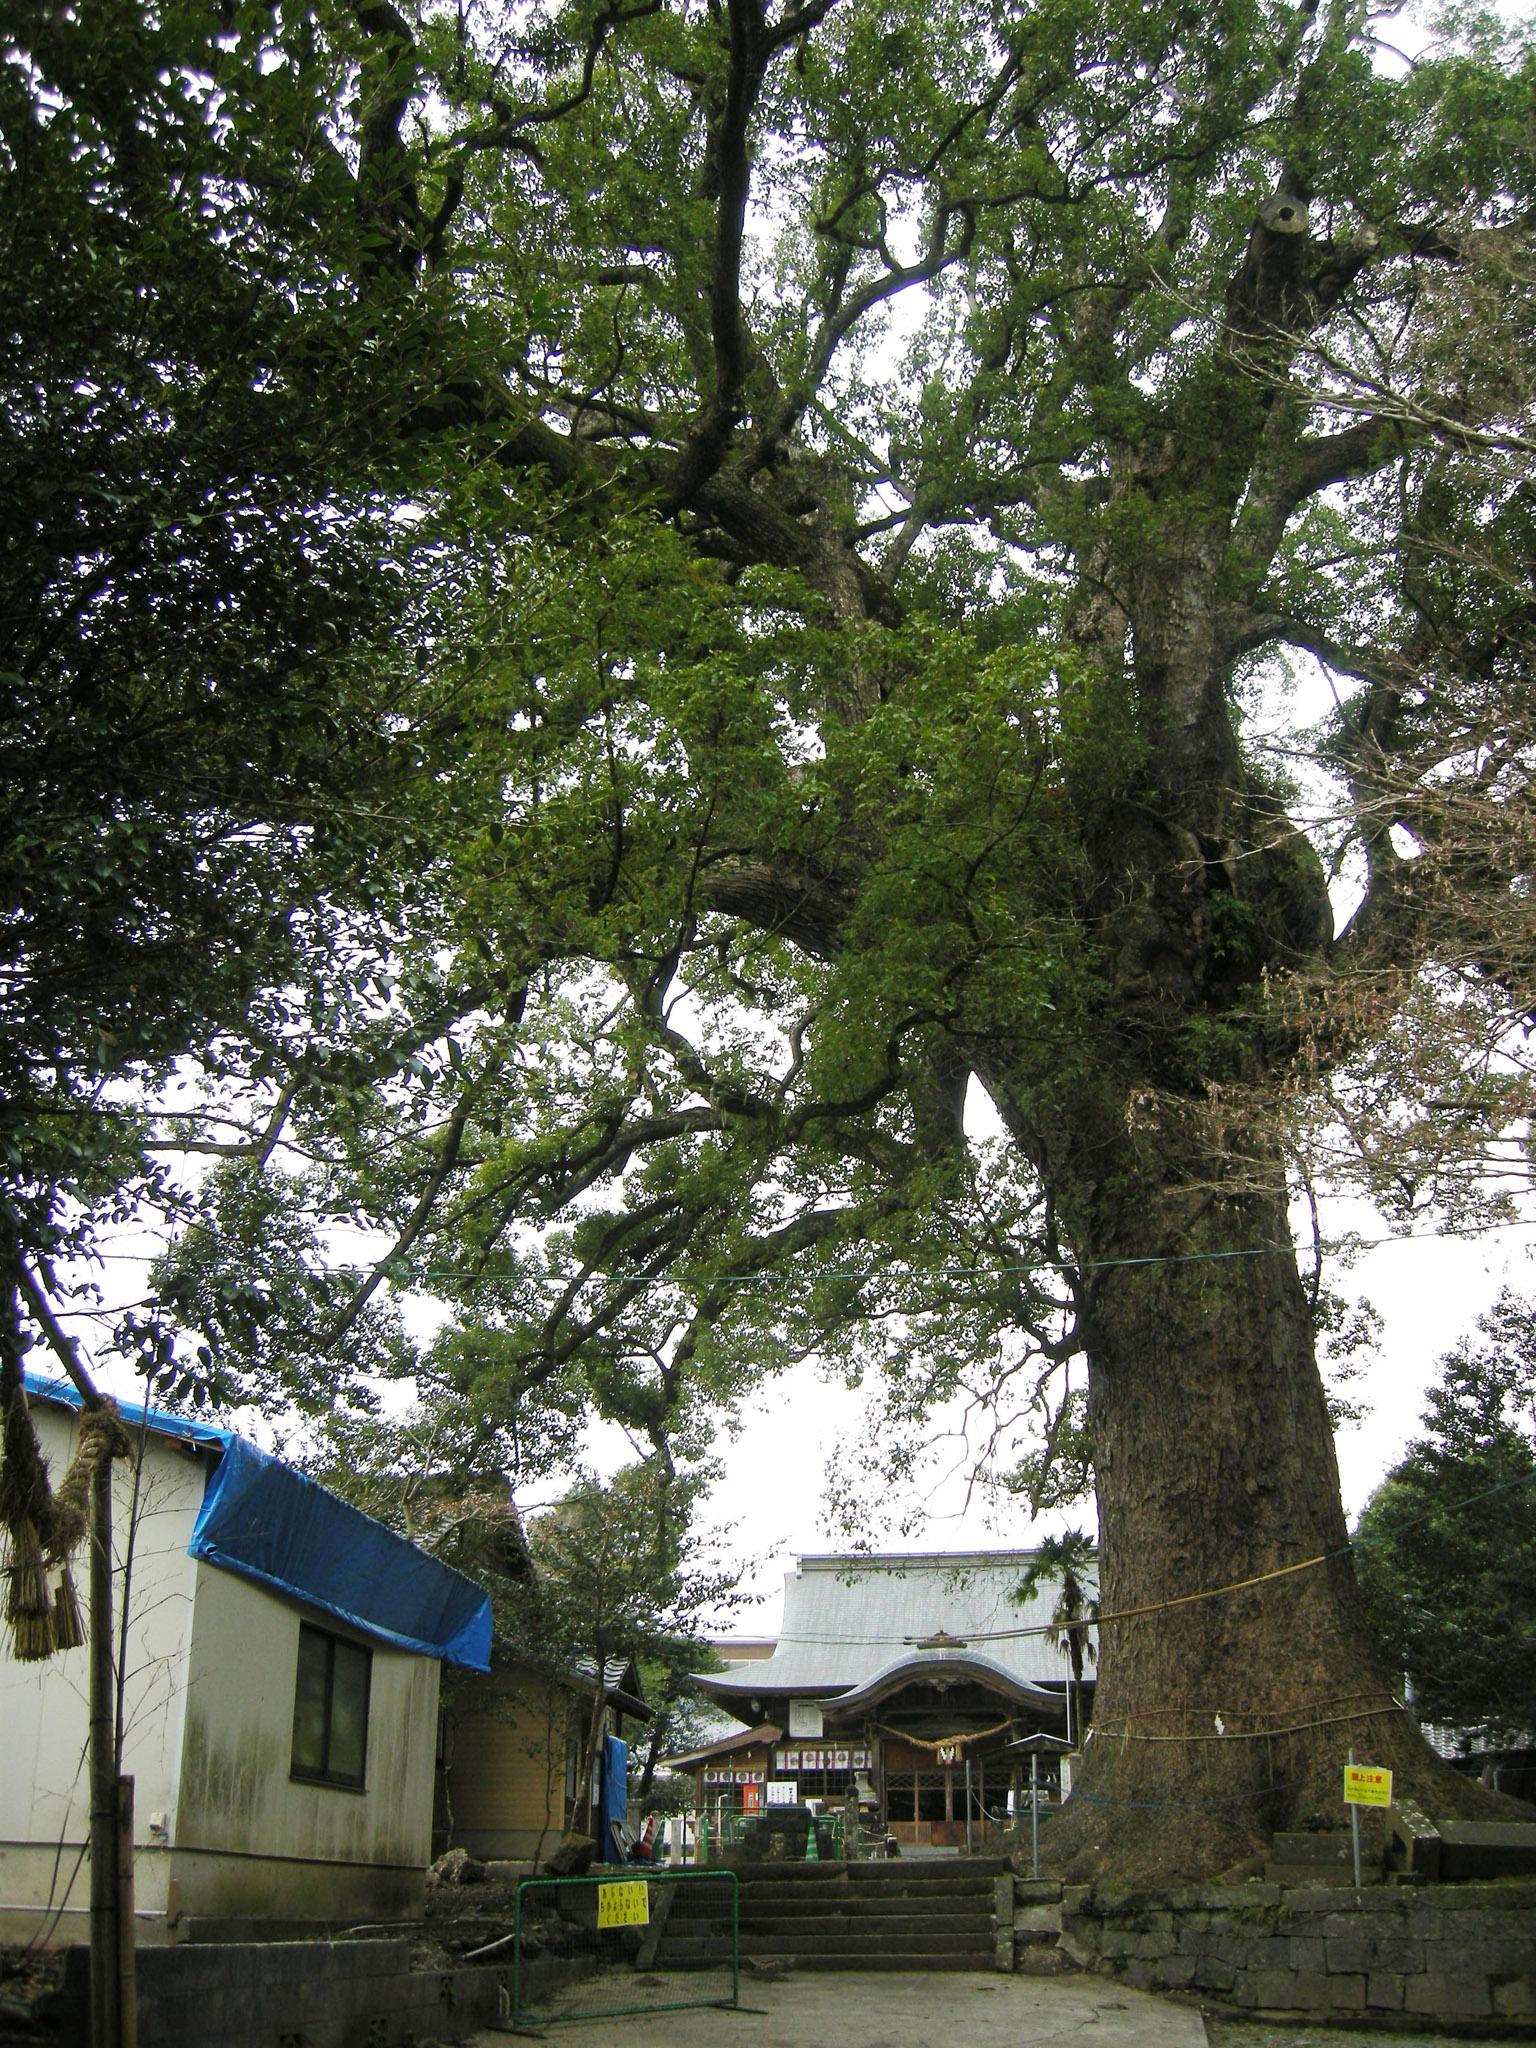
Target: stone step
911 1959
832 1940
756 1905
906 1927
842 1957
1484 1849
854 1898
1338 1875
888 1870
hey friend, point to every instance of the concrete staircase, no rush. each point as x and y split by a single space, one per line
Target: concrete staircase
935 1914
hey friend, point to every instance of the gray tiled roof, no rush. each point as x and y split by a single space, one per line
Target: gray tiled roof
847 1617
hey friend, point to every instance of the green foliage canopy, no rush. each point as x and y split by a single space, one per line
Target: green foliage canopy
848 468
1446 1546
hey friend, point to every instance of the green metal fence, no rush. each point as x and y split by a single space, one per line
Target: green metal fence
625 1941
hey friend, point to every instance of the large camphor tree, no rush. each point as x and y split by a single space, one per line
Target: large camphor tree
908 453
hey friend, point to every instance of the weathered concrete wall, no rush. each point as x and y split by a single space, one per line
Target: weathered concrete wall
44 1786
357 1994
252 1842
1463 1952
323 1994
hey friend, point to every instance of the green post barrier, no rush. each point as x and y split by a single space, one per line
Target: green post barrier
812 1848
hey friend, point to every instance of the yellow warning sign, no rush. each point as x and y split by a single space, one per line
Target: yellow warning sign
623 1905
1367 1785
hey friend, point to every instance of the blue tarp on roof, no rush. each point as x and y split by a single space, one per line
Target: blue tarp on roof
267 1522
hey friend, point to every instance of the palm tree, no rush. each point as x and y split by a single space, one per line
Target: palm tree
1067 1558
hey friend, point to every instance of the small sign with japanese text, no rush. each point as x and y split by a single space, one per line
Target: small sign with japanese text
623 1905
1367 1785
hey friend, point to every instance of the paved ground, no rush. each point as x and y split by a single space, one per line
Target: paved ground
885 2009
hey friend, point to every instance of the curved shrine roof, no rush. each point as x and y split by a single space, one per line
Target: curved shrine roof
851 1622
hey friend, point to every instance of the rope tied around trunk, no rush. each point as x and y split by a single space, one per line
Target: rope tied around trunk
1125 1732
41 1529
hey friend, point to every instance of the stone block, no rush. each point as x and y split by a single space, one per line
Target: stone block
1384 1990
1448 1997
1366 1913
1231 1948
1037 1920
1313 1991
1479 1958
1270 1952
1250 1896
1212 1974
1415 1840
1080 1939
1156 1944
1036 1961
1346 1992
1308 1952
1320 1898
1493 1923
1137 1921
1038 1891
1515 1997
1372 1950
1275 1989
1471 1848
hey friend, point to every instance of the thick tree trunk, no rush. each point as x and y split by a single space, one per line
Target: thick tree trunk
1220 1720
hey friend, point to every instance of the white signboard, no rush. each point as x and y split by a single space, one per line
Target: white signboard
783 1792
823 1757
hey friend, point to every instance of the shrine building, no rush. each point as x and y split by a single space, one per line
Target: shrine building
903 1679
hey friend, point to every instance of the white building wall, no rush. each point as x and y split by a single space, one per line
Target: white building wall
44 1709
226 1842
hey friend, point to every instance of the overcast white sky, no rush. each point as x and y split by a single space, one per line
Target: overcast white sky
1428 1291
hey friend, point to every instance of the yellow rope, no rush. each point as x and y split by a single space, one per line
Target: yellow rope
1246 1734
1007 1635
944 1741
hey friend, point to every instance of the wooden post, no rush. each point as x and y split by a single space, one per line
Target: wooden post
127 1954
106 2011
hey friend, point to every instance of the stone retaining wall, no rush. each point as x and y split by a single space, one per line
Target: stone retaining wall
297 1994
1463 1953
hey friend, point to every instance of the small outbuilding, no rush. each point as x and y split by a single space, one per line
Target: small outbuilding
279 1701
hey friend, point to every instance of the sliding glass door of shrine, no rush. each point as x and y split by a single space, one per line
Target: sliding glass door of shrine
933 1802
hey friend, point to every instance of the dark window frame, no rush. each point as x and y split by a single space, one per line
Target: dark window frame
324 1773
